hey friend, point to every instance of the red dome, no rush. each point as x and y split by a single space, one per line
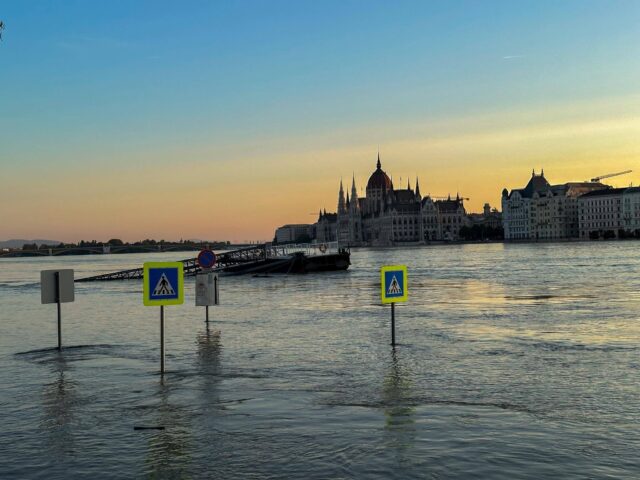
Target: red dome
379 179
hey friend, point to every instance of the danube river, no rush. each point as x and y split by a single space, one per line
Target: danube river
514 361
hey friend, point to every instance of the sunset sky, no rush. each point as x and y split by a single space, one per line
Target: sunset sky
224 120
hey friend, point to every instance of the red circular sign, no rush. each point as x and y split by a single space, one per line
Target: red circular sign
206 259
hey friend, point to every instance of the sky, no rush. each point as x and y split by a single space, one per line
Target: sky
223 120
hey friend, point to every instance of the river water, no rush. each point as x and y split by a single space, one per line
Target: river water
514 361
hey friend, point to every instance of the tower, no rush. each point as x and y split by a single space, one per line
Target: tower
341 203
354 195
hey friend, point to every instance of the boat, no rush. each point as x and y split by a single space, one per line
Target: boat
294 259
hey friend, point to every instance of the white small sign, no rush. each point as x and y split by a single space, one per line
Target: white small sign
54 290
207 289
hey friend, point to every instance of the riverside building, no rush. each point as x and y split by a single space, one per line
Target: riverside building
541 211
389 216
631 211
293 233
610 213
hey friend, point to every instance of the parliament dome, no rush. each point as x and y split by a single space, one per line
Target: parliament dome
379 179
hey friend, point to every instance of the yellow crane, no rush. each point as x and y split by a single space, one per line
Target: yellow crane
609 175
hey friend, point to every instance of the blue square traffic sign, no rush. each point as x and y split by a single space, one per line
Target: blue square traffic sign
393 284
163 283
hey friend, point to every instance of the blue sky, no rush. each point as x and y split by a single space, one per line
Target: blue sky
180 84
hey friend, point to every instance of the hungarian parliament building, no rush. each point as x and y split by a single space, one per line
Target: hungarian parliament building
389 216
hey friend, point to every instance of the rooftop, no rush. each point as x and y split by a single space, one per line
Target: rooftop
605 192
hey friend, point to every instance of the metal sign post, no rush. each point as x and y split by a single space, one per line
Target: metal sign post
57 286
162 339
393 324
394 288
206 282
163 285
207 291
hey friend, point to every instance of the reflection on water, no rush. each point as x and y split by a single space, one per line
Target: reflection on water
59 399
397 393
209 349
209 366
169 453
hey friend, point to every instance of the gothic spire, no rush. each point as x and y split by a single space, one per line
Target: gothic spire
341 204
417 187
378 165
354 193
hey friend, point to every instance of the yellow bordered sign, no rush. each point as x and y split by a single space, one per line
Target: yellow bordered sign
394 284
163 283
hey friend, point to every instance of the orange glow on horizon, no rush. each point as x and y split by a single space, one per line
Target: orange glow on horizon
250 193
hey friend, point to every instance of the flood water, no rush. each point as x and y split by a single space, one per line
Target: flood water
514 361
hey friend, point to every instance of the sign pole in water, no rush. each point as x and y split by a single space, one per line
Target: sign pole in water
163 285
162 339
57 282
207 291
56 286
206 282
394 288
393 324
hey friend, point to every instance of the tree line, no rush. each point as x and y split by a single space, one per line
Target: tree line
116 242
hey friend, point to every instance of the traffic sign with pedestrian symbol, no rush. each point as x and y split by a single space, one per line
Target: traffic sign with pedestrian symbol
393 283
163 283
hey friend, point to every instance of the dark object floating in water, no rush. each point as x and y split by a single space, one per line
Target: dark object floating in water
153 427
261 259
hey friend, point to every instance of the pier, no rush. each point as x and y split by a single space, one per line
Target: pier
265 258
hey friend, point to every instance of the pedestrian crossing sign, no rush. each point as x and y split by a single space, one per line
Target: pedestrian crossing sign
393 283
163 283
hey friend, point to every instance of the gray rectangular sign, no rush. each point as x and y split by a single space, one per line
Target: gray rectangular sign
49 288
206 289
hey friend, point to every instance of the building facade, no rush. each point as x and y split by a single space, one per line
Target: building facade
541 211
601 213
294 233
325 229
387 216
490 217
631 211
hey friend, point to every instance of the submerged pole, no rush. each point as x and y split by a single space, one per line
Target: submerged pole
393 324
162 339
57 277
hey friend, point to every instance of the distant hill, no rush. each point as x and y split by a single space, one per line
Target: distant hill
19 242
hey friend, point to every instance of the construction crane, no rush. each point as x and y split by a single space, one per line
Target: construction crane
609 175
